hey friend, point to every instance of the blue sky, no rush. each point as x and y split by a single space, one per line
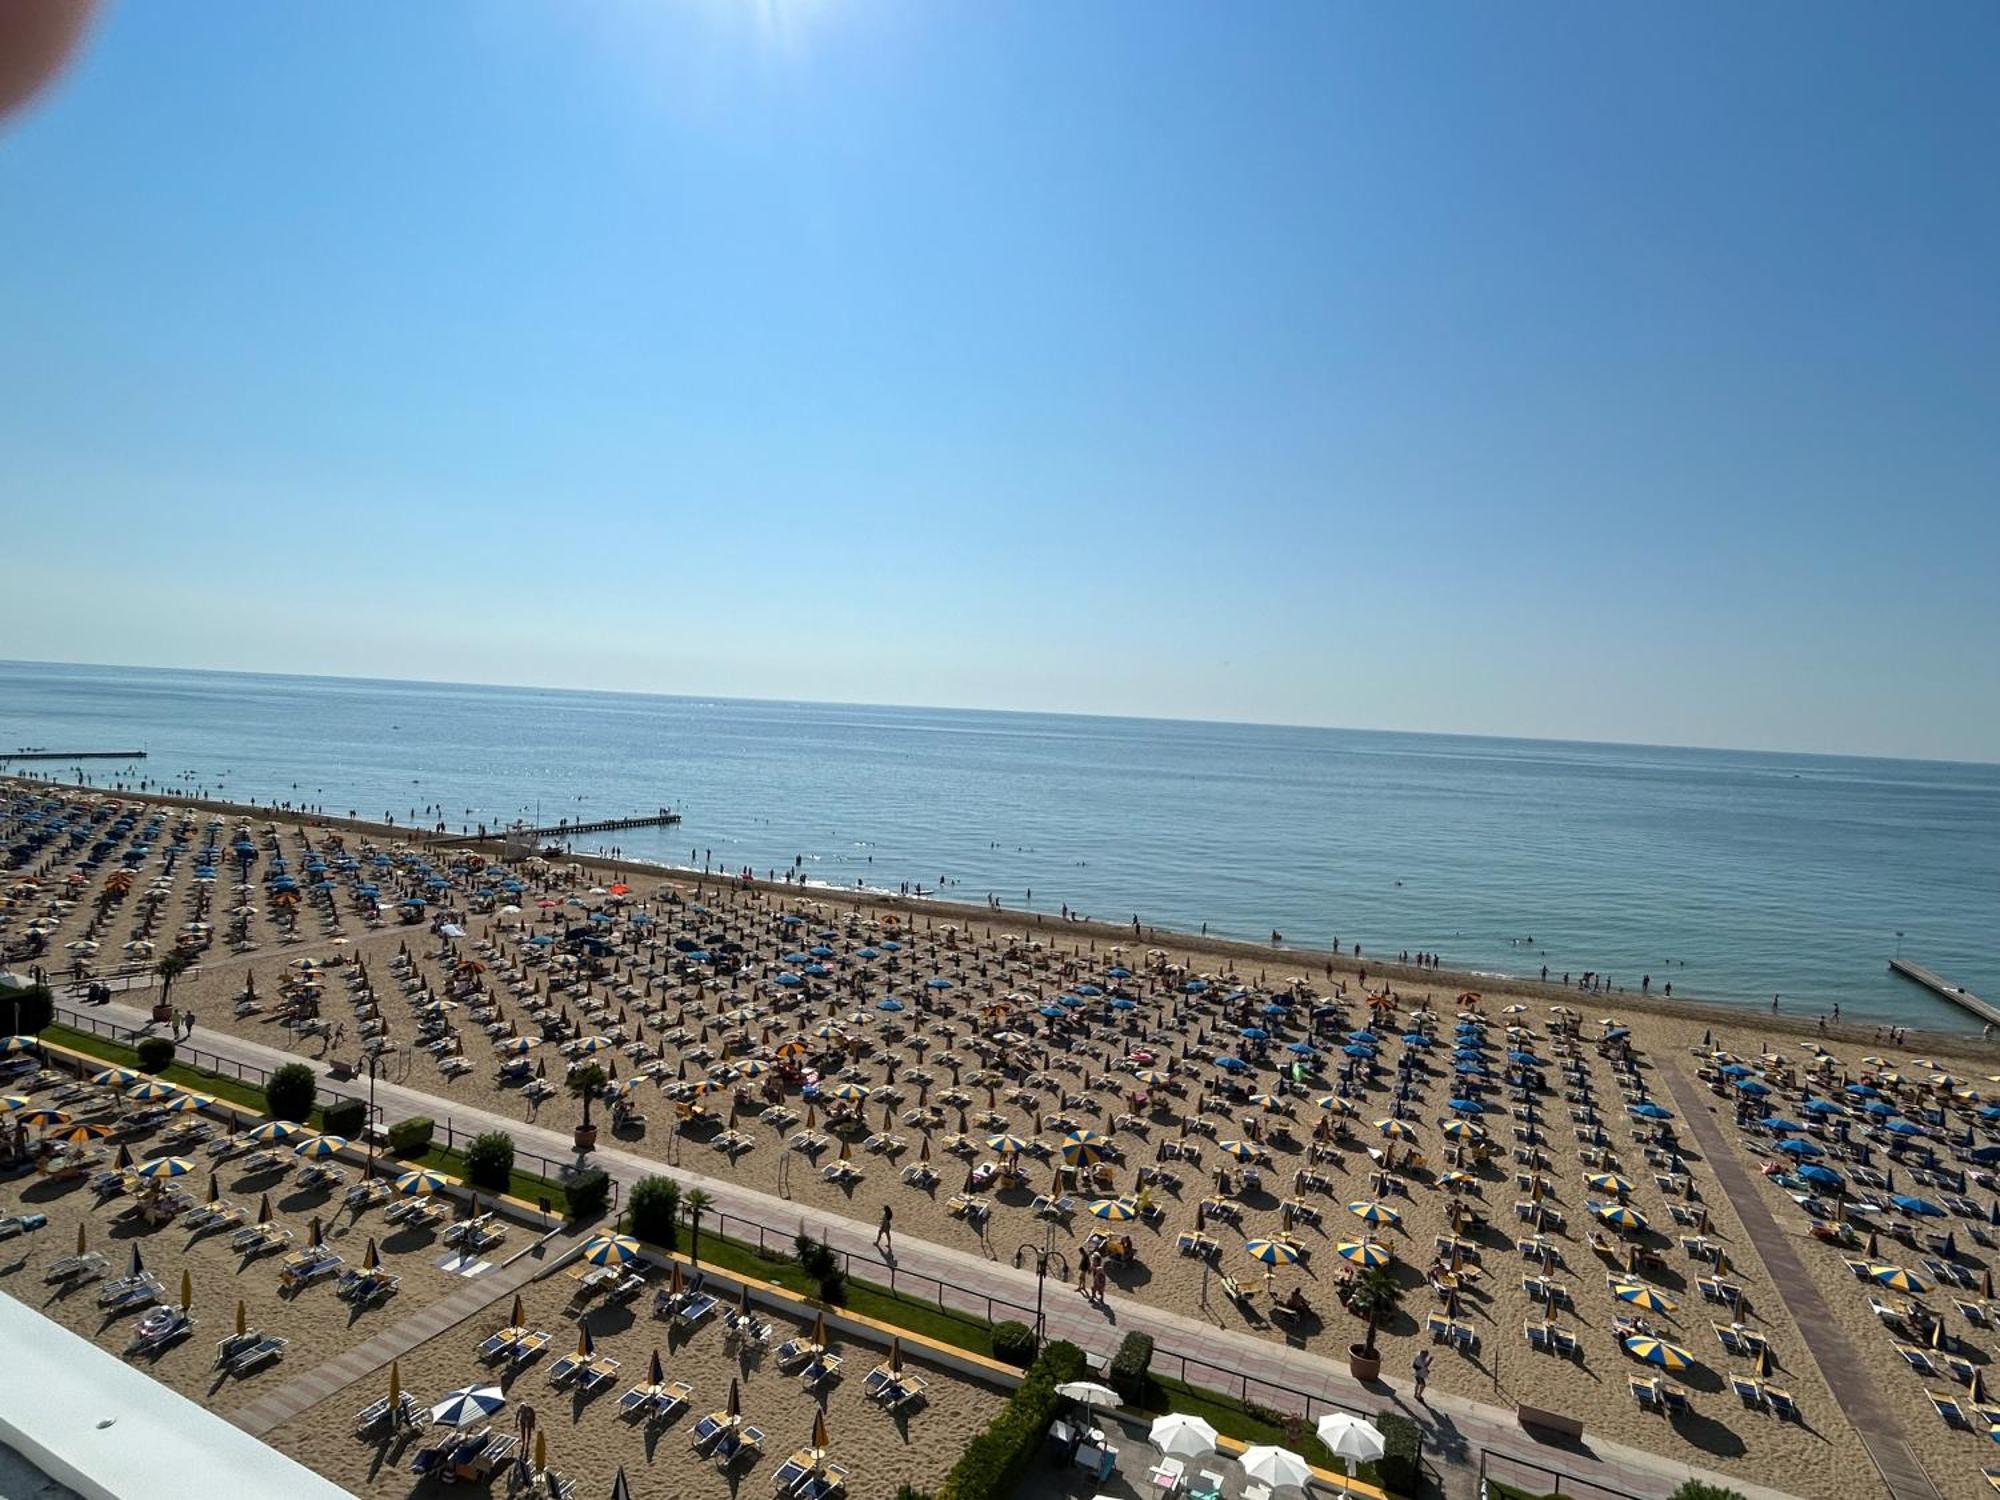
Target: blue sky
1584 371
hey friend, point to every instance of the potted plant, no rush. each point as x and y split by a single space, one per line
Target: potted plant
587 1083
1375 1295
169 968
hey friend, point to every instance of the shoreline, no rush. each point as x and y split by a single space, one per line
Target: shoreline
1286 959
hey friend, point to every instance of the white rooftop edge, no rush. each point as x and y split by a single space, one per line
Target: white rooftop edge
109 1431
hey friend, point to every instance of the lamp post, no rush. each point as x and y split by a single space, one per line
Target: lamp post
374 1064
1043 1253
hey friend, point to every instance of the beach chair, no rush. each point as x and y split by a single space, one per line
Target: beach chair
1645 1392
1783 1407
564 1368
1674 1401
140 1291
1537 1335
263 1352
706 1430
598 1372
1748 1391
694 1310
227 1349
818 1372
77 1268
499 1345
1209 1488
1916 1359
792 1473
1949 1409
528 1347
1730 1339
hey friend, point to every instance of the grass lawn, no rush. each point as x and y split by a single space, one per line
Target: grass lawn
526 1186
249 1095
1232 1418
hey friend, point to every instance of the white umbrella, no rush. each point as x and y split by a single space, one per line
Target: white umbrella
1089 1392
1349 1436
1182 1434
1280 1466
473 1403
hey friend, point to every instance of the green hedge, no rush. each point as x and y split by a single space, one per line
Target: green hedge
995 1462
412 1137
1402 1442
30 1011
348 1117
653 1211
1695 1489
1014 1344
155 1053
1131 1368
489 1161
587 1193
290 1092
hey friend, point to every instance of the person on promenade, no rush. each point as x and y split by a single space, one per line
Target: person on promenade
1420 1372
883 1240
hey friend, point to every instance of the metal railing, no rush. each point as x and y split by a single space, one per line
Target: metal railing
1539 1479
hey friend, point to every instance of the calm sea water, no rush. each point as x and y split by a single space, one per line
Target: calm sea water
1734 875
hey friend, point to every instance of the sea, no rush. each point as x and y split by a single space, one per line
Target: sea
1734 876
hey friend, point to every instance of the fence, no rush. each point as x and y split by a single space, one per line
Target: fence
195 1057
1530 1478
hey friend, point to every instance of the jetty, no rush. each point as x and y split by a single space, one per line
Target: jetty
521 833
6 755
1938 985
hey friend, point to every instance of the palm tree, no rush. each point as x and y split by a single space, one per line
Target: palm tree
587 1082
1375 1295
697 1202
169 969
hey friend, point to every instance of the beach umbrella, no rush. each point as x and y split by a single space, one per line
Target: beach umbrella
1467 1107
1463 1130
10 1103
420 1183
611 1250
264 1209
1619 1216
1643 1297
315 1235
1648 1110
1610 1182
1364 1253
655 1375
321 1147
242 1318
1899 1280
1271 1252
849 1093
372 1258
1240 1150
275 1130
733 1408
1669 1357
1820 1176
151 1089
467 1405
1921 1206
1081 1153
165 1166
1006 1144
1370 1212
1181 1434
44 1116
1112 1209
1350 1437
619 1489
1276 1466
1396 1130
116 1077
187 1289
1799 1148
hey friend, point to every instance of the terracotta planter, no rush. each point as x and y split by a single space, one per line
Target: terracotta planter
1362 1365
586 1137
163 1013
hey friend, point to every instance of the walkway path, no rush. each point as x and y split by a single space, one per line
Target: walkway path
1456 1429
1880 1432
278 1406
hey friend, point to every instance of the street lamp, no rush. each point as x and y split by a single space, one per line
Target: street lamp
1043 1253
374 1065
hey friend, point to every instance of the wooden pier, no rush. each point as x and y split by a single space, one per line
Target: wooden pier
72 755
518 833
1938 985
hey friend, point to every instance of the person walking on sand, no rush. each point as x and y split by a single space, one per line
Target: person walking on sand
883 1240
1420 1372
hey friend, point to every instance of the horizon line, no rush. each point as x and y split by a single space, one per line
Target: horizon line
1452 734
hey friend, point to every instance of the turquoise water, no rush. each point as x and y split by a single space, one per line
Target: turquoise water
1754 873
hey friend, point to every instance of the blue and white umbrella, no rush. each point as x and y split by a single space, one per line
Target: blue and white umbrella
467 1405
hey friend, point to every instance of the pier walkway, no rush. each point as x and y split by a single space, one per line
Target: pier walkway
1938 985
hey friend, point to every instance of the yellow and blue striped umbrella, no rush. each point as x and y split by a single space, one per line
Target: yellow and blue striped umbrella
1370 1212
320 1147
166 1166
419 1183
518 1046
182 1104
1610 1182
276 1130
1152 1077
43 1115
1618 1216
1334 1103
10 1103
1669 1357
611 1250
1271 1252
1643 1296
1899 1280
1112 1209
1464 1130
152 1088
592 1044
16 1044
848 1093
1241 1150
1365 1253
1396 1130
1006 1144
1079 1153
117 1078
76 1135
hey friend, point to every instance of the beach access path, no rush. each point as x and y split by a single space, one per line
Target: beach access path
1456 1430
1880 1432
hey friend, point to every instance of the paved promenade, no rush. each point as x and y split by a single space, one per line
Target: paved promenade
1456 1429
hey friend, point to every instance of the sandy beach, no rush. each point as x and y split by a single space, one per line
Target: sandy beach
760 1005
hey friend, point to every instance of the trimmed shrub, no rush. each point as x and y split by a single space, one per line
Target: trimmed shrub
1130 1370
1013 1344
995 1462
817 1260
290 1093
654 1210
1402 1441
412 1137
31 1010
1694 1489
155 1053
348 1117
489 1161
587 1193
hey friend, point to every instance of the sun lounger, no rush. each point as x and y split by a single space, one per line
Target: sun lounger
691 1312
1645 1392
706 1430
1748 1391
376 1412
818 1371
151 1336
129 1292
259 1354
500 1345
792 1473
1917 1359
598 1372
1782 1405
741 1442
78 1268
528 1347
